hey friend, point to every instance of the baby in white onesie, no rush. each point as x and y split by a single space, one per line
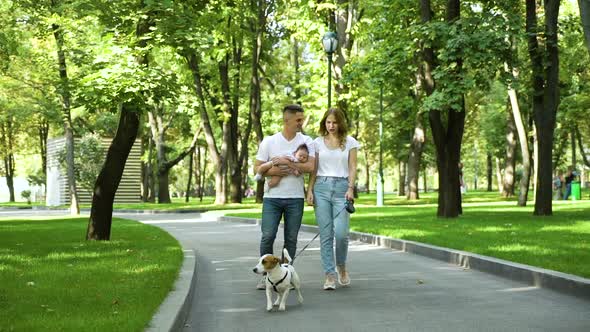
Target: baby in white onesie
300 155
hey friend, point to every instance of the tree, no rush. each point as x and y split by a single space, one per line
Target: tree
544 56
107 182
447 137
585 16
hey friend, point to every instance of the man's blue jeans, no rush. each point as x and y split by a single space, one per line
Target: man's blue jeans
272 211
568 191
333 220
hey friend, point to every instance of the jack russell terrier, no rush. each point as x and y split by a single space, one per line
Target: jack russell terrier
280 278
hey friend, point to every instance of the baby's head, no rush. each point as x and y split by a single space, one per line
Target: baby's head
302 153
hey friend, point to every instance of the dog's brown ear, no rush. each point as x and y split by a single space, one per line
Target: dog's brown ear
275 261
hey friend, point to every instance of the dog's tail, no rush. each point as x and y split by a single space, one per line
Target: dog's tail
286 258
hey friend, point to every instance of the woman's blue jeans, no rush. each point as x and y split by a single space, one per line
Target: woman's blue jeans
333 220
272 211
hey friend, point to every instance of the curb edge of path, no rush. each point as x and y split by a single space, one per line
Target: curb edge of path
531 275
173 312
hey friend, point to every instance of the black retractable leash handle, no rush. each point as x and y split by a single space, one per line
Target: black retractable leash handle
348 206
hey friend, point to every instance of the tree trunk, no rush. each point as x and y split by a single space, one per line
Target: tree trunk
510 160
203 175
197 170
522 136
489 170
218 158
545 65
367 171
585 16
163 187
257 27
573 140
9 172
6 146
146 167
401 188
231 107
499 175
415 157
425 179
107 182
64 91
581 146
43 130
190 177
165 167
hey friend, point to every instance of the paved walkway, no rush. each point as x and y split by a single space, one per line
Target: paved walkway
390 291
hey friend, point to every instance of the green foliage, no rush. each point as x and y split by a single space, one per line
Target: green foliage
26 194
88 159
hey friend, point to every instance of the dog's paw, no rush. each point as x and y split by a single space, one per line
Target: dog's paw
300 299
269 309
281 308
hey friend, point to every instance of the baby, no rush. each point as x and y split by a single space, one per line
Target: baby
300 155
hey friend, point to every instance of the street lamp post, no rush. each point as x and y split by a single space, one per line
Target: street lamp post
380 179
288 90
330 43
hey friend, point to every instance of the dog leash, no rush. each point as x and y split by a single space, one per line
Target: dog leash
307 245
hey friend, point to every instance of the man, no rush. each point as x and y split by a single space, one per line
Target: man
287 198
569 177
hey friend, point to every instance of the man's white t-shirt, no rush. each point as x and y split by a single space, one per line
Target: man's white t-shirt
334 162
276 146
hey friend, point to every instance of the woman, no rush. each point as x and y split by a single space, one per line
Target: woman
330 186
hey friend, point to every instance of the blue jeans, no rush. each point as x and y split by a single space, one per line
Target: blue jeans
272 211
568 191
333 220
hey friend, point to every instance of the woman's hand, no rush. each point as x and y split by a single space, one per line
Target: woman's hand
349 194
310 198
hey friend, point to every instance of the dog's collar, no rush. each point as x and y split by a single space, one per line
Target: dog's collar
275 284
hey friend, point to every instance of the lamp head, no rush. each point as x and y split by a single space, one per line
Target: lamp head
330 42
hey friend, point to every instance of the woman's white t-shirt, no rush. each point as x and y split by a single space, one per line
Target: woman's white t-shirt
334 162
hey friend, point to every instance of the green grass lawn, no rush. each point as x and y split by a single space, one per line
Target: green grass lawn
488 227
51 279
19 205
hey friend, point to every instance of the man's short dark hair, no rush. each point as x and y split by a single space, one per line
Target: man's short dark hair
292 109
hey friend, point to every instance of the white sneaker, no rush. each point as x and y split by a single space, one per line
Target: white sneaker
261 283
330 283
343 276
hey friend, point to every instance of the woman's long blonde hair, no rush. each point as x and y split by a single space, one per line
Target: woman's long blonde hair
342 126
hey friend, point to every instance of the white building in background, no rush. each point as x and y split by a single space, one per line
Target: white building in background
129 190
20 184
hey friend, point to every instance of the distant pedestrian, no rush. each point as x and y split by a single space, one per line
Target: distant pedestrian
558 181
569 177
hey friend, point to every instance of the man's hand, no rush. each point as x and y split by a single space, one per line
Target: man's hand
280 170
280 161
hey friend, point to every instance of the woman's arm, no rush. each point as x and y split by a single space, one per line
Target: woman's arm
312 177
351 173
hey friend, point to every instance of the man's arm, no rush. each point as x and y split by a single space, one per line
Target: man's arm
268 169
306 167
